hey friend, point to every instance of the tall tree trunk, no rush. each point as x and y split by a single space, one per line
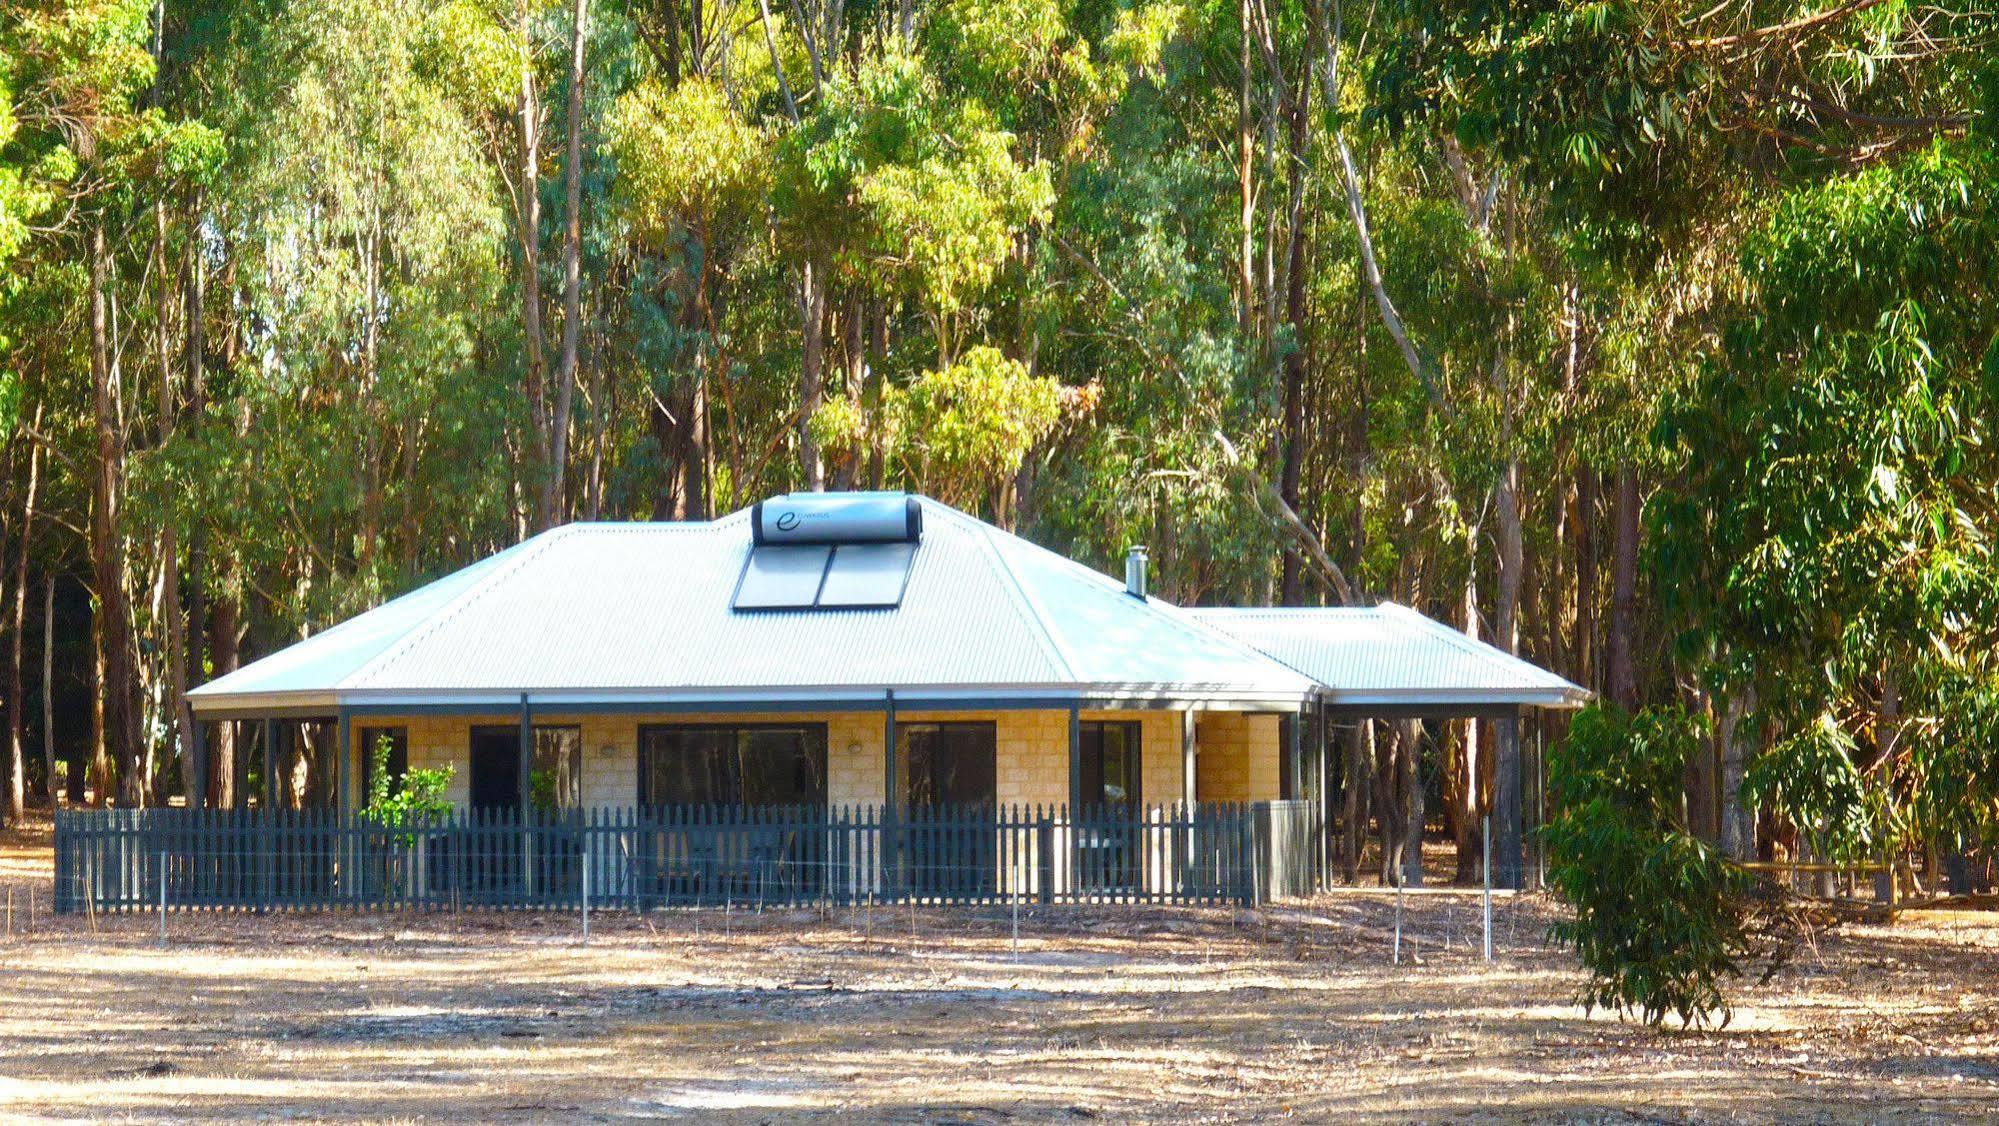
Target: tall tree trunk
107 555
1623 676
1389 808
48 687
1293 469
171 609
1359 779
665 417
528 219
1464 795
17 780
1738 738
225 643
99 775
854 358
811 372
1245 181
555 483
1409 779
1587 669
370 402
1512 558
694 451
197 542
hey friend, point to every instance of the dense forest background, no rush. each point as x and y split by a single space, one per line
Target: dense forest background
1654 342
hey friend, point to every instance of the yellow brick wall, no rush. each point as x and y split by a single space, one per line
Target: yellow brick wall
1032 750
1239 756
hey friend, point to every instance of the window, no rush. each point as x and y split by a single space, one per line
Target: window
1110 765
557 781
948 764
1298 774
395 755
732 764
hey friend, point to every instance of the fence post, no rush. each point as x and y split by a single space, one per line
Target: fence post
1246 854
1044 847
1488 887
163 899
586 890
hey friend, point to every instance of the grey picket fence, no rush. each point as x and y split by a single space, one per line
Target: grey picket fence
251 860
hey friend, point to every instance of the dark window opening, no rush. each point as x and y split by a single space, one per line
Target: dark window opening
555 779
1110 767
741 764
383 747
948 764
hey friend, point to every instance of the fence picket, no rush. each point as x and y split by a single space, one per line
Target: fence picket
297 859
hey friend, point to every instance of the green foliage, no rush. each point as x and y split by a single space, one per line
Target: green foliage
685 157
419 797
914 192
970 425
1658 921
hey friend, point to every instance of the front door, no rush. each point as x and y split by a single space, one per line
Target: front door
496 769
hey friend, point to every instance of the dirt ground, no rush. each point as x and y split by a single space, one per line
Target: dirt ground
883 1016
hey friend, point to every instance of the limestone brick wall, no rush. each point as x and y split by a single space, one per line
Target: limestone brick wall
1239 756
1032 750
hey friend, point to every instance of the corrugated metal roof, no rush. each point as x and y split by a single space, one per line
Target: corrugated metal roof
1393 655
629 610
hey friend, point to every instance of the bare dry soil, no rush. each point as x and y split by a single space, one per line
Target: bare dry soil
885 1015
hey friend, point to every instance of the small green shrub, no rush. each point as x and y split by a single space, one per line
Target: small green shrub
419 798
1659 915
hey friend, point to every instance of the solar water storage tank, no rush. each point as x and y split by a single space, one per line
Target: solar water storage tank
837 518
830 551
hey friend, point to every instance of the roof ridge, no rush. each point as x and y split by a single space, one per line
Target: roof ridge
430 623
1192 623
1175 615
1057 652
1485 651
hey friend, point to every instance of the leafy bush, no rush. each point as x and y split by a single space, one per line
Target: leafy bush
1659 916
419 797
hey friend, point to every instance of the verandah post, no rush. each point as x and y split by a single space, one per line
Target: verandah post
343 755
889 850
1075 841
525 786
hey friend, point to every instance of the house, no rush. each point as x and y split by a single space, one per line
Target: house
863 654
